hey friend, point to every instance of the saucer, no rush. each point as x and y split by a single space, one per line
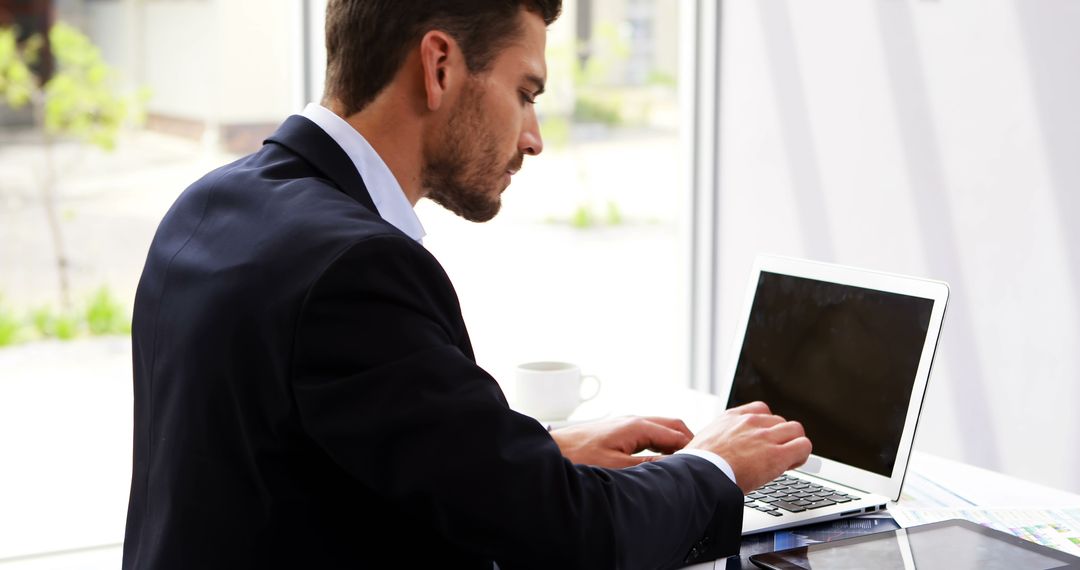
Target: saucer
580 416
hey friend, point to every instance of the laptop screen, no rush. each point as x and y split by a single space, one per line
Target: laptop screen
839 359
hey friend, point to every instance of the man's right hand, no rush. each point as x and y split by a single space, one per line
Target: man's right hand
758 445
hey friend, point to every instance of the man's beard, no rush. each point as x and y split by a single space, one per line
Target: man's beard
462 170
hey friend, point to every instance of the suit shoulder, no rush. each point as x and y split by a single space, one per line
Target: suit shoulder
387 254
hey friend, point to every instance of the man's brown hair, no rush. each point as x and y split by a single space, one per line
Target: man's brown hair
367 40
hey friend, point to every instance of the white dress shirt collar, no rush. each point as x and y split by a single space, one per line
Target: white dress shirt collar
386 193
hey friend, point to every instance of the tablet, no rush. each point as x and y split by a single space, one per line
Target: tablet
946 545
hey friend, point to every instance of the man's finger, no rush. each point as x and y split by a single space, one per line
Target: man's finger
751 408
796 451
673 423
763 420
621 461
632 460
651 435
784 432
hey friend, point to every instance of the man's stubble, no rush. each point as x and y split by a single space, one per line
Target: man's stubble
463 170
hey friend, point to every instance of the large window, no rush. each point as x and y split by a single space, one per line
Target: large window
588 262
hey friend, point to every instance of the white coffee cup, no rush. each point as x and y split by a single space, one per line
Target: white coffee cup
550 390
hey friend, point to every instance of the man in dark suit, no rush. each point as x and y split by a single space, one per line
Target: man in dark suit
305 390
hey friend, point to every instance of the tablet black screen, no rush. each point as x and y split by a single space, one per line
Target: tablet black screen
949 545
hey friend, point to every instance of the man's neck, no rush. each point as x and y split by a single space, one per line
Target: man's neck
398 143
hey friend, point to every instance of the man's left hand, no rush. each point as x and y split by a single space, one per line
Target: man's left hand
613 443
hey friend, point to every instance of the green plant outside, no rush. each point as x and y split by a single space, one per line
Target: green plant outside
662 79
80 99
66 326
556 131
9 327
586 217
16 80
614 214
101 315
597 110
47 323
42 320
104 315
583 217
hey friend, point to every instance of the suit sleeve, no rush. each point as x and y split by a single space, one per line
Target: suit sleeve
385 388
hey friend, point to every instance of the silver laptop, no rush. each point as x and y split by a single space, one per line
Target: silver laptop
848 353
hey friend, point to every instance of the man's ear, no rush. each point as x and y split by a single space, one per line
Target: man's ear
442 63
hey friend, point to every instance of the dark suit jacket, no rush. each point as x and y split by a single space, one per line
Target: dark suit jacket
306 397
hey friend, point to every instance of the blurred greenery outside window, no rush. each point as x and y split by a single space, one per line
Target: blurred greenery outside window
72 93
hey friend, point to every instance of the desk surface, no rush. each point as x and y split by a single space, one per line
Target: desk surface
964 485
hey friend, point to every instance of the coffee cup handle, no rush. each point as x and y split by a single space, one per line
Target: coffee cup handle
595 390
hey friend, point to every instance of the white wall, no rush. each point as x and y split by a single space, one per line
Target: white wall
935 138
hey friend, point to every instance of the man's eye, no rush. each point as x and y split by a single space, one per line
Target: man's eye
527 97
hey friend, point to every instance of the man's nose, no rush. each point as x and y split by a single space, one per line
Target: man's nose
531 142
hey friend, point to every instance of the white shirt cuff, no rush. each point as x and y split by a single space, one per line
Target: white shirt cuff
712 458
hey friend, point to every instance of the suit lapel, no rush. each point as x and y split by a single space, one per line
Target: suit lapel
306 139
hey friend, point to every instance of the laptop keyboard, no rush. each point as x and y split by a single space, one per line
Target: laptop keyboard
787 494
